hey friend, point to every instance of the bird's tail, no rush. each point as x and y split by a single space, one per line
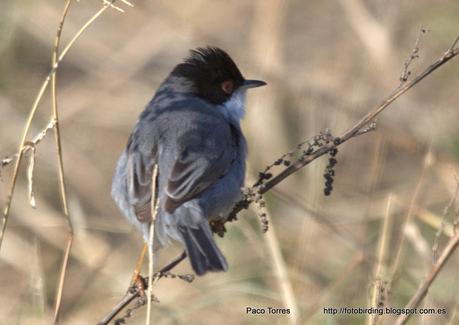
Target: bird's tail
201 248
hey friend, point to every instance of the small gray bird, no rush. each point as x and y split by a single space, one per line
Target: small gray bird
191 131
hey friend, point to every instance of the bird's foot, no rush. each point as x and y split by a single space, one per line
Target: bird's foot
218 227
139 283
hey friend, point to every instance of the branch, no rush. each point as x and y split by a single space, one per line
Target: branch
414 55
62 190
425 285
25 145
353 131
135 292
33 110
154 211
437 263
28 145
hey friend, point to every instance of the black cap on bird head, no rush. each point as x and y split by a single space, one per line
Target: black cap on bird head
214 74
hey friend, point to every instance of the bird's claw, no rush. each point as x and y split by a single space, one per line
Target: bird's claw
139 284
218 227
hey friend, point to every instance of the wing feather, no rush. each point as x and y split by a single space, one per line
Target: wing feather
195 157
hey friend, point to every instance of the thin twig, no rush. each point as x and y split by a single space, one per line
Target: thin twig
57 58
55 61
30 170
330 290
425 285
62 190
32 112
441 229
111 5
29 144
106 2
126 3
154 211
407 221
453 45
281 273
380 284
353 131
135 293
413 56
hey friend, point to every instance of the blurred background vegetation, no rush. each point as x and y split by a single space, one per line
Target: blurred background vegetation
326 64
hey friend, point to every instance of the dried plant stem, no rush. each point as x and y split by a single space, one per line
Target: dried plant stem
63 193
345 274
413 56
381 265
452 320
135 293
56 59
281 273
150 272
424 286
154 211
441 228
29 145
32 112
385 237
354 130
406 222
55 63
432 220
21 149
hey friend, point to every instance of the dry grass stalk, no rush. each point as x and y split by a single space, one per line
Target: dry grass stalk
31 115
407 220
56 59
437 266
355 262
380 285
354 130
372 33
29 145
434 272
281 272
443 224
134 291
431 219
154 211
62 190
30 170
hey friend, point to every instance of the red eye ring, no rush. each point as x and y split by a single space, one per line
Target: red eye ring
227 86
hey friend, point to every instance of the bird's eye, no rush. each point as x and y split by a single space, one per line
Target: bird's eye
227 86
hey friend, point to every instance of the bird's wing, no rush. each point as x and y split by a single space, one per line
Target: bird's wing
202 155
203 159
138 176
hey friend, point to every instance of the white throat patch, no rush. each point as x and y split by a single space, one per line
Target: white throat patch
234 108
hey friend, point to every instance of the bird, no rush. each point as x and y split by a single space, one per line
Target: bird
191 131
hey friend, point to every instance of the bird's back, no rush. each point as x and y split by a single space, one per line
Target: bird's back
188 129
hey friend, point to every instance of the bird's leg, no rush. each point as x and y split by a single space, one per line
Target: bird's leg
138 266
137 279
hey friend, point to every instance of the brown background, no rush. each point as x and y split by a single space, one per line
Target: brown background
326 64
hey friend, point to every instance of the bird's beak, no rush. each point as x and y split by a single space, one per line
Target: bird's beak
253 83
